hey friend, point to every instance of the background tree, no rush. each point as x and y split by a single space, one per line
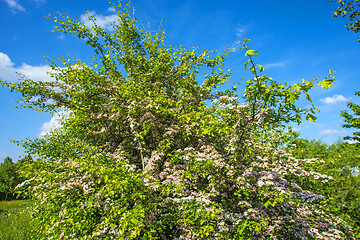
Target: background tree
341 161
346 185
352 121
150 148
7 160
350 9
9 178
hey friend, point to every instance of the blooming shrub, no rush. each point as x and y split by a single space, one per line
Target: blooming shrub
142 154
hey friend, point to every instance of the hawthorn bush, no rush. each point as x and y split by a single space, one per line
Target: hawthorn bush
147 150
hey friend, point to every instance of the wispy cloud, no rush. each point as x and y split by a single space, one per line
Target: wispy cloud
332 132
241 31
103 21
61 36
334 100
14 5
307 125
274 64
9 72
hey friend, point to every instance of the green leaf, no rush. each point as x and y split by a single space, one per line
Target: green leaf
261 68
245 65
250 53
326 83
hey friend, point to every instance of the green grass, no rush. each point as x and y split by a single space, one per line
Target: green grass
15 220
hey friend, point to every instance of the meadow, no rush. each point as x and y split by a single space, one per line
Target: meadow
15 220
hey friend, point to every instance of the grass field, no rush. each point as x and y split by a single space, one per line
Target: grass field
14 220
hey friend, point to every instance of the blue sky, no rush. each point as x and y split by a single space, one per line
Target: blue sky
295 40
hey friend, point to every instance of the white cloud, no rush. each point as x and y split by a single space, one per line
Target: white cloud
52 124
331 132
37 73
334 100
15 6
5 60
351 141
9 73
101 20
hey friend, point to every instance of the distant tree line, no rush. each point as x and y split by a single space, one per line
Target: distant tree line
10 177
